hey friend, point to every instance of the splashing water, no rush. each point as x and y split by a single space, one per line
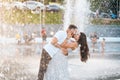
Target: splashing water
76 12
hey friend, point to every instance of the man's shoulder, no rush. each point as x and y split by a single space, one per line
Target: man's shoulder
61 31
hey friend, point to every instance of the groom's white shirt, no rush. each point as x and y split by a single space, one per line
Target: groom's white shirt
51 49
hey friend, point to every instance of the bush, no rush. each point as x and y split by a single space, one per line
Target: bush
105 21
26 17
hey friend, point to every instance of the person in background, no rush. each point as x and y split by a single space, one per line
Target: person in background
18 38
33 35
44 36
94 37
103 46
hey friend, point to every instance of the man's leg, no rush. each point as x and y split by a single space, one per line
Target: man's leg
45 58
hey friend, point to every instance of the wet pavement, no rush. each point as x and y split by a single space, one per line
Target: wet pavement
98 67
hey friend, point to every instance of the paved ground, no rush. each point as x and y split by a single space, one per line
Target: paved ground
98 67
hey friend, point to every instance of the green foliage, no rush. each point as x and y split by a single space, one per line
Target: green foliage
103 5
26 17
53 17
105 21
45 1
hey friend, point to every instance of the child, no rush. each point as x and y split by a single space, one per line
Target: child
103 46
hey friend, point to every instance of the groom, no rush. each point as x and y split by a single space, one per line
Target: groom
50 49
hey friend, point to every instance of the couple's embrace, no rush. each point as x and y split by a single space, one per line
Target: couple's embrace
54 64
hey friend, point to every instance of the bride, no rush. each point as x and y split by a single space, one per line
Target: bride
58 66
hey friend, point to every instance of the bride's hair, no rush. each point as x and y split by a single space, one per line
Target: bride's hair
84 50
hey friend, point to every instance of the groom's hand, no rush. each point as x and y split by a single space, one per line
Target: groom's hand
65 51
69 35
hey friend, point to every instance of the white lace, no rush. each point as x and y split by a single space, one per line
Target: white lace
57 68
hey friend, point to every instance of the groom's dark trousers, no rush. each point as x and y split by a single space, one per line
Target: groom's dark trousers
45 58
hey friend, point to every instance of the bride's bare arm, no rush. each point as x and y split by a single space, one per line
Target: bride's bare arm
71 45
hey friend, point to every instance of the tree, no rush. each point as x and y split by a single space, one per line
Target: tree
105 5
102 5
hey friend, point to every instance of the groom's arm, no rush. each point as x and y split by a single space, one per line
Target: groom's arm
55 42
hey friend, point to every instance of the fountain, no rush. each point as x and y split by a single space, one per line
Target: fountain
21 61
76 12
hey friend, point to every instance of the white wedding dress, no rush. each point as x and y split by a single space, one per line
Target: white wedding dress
57 68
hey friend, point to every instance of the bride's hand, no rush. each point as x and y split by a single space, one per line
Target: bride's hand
69 35
64 51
